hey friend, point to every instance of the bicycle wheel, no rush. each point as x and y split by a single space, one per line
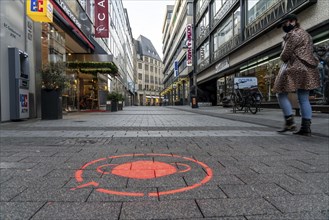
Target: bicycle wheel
237 102
253 106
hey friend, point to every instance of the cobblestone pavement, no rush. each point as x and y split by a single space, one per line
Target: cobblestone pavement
163 163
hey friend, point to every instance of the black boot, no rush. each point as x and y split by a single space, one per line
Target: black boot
305 128
289 125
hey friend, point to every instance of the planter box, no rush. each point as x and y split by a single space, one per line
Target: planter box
51 104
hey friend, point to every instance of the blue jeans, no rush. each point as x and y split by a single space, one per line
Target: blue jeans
304 103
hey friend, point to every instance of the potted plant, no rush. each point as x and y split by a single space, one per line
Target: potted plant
54 80
114 98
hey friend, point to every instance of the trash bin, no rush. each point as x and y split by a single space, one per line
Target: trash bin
294 103
108 106
194 102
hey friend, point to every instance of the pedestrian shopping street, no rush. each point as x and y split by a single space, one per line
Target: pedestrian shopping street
151 162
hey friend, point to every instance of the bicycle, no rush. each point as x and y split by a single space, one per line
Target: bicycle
248 99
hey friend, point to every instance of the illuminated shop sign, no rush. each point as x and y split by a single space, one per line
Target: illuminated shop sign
40 10
189 45
101 19
77 15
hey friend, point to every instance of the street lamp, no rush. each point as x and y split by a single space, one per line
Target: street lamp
174 93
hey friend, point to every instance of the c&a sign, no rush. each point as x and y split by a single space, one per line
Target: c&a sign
101 19
189 45
40 10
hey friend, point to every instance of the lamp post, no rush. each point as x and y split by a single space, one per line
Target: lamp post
174 93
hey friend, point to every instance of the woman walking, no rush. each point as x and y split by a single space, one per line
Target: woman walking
298 73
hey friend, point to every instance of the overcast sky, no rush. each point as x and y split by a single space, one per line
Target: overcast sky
146 18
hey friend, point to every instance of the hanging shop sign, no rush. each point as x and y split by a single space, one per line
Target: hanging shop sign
189 45
101 19
40 10
176 68
77 15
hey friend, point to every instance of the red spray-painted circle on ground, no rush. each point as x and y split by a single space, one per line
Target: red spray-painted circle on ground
141 169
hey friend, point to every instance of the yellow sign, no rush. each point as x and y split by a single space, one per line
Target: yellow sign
40 10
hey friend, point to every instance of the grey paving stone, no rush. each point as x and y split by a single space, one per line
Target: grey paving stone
81 210
292 216
36 153
157 182
300 203
53 194
160 210
123 195
104 182
12 159
34 182
215 180
9 165
4 153
71 173
6 194
266 178
201 192
19 210
302 188
55 160
253 191
37 171
318 180
235 207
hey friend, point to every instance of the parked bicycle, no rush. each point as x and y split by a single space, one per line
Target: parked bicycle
248 99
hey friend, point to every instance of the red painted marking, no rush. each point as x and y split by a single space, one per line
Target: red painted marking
78 175
92 162
99 169
119 193
144 169
92 183
185 165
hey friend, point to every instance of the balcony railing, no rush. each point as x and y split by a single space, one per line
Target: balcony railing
201 10
226 48
223 12
257 27
272 14
201 66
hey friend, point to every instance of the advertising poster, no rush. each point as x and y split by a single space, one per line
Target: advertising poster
23 103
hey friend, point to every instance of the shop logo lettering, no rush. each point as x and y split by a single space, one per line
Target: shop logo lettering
101 29
37 5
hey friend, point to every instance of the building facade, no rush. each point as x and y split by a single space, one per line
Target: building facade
237 38
70 37
149 73
177 41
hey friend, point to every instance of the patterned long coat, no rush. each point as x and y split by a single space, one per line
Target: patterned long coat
299 69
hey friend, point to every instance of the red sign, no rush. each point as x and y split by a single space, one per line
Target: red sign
101 19
189 45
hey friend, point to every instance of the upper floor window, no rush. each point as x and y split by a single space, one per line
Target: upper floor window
140 65
203 52
223 33
256 8
203 26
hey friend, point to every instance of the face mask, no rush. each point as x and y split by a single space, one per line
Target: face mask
288 28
